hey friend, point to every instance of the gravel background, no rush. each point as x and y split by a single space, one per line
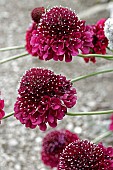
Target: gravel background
20 147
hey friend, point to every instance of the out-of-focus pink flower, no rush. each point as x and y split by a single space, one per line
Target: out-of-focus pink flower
43 98
83 154
100 42
59 34
2 113
53 144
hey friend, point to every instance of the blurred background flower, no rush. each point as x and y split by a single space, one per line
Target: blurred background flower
53 144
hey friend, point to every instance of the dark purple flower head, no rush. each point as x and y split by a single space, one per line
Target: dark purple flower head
43 98
53 144
2 113
60 34
85 155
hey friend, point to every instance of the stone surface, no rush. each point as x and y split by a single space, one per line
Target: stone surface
20 147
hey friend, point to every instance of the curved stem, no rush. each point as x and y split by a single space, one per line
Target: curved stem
12 48
14 57
89 113
10 114
92 74
102 136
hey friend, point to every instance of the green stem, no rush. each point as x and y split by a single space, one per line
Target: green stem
95 55
14 57
10 114
12 48
102 136
92 74
89 113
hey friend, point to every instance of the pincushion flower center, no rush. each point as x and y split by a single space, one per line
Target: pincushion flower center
59 22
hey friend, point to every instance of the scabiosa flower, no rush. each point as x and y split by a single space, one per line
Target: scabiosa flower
53 144
108 30
43 98
60 34
111 124
2 113
100 42
85 155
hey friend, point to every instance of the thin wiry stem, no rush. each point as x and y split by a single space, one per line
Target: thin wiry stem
90 75
14 57
77 113
89 113
12 48
96 55
9 115
102 136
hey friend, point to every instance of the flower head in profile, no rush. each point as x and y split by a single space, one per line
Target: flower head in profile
111 124
53 144
83 154
36 15
43 97
29 32
2 113
100 41
60 34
